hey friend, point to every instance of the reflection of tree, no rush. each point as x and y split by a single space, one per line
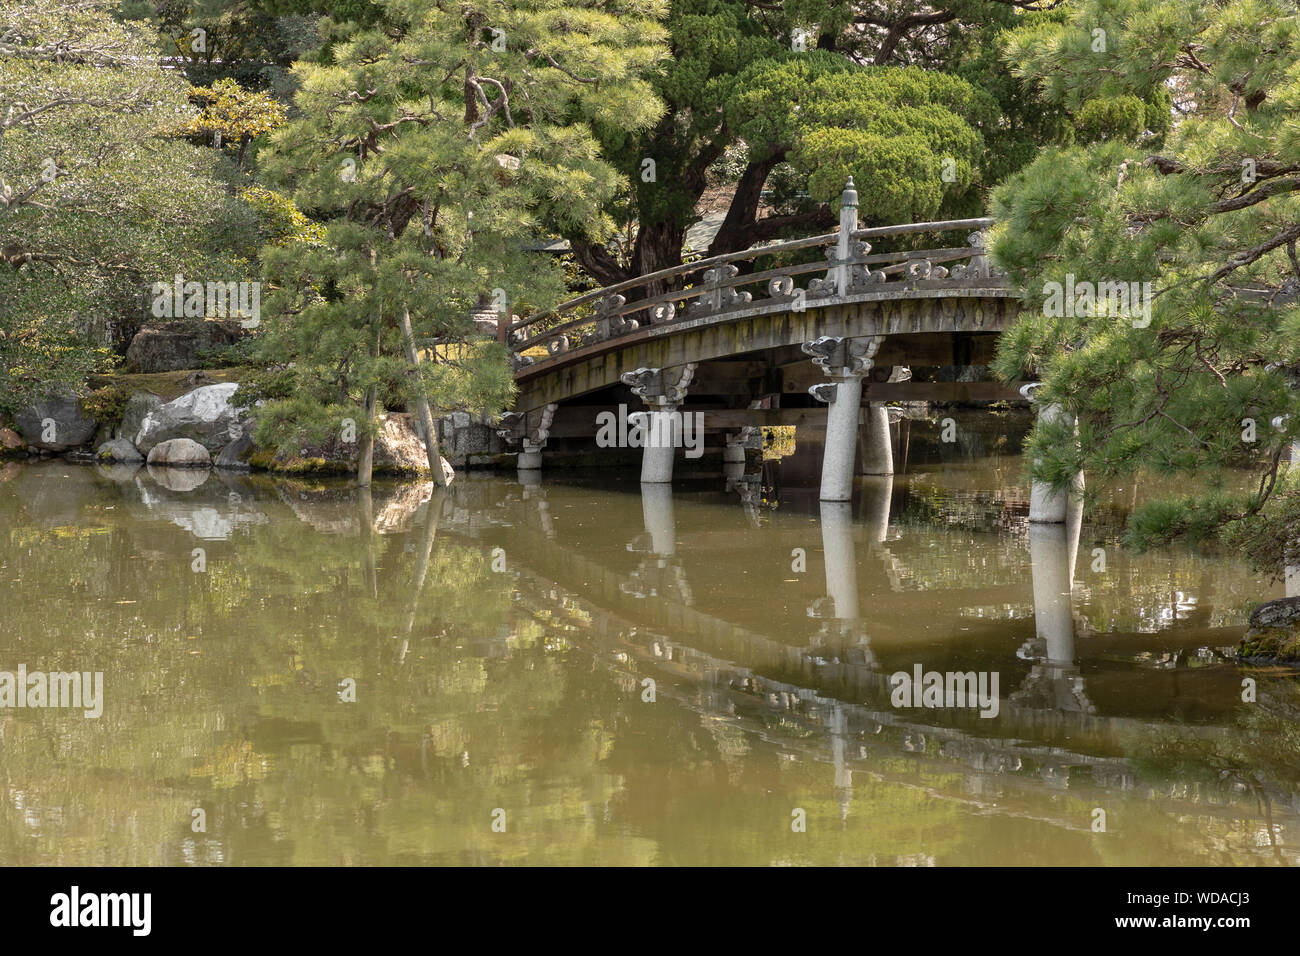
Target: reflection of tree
1256 756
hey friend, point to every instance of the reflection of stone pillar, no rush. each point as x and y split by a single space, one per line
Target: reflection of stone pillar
1046 504
877 451
1054 681
664 392
1052 554
841 558
657 512
845 361
839 728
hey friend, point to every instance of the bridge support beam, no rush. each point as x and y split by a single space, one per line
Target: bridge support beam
845 361
664 390
1046 504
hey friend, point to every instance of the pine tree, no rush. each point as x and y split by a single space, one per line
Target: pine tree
433 145
1182 174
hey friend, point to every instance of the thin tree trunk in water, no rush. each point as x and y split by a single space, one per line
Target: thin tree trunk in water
422 405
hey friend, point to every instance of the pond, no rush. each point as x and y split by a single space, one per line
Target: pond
577 669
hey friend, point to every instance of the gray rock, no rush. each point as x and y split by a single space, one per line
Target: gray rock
234 457
204 415
1284 612
168 346
119 449
137 407
55 424
1274 633
180 453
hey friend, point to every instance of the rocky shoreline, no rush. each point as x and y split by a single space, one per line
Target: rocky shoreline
205 426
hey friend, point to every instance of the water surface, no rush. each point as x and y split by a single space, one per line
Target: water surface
504 639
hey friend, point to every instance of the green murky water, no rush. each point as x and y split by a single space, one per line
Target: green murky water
505 639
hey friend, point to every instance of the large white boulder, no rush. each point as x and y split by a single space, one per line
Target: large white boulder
204 415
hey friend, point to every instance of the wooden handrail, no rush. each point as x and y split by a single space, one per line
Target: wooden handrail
754 252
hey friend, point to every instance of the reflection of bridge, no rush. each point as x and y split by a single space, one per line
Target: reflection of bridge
833 694
748 349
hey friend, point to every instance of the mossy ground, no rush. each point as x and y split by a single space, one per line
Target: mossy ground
167 385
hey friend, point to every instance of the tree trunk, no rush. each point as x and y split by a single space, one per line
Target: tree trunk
422 405
744 207
366 454
658 246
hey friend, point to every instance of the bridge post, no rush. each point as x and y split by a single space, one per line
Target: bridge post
844 241
846 361
1046 505
529 457
662 425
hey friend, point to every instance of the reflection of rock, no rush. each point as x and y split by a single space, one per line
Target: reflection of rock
334 510
1274 632
328 510
178 479
47 498
211 512
56 424
119 449
395 507
204 415
180 453
122 471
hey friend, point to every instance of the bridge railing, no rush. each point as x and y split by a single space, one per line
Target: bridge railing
716 286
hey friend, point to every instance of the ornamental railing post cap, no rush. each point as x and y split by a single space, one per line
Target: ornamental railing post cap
850 195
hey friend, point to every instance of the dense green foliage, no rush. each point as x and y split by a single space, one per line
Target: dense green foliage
1200 204
773 104
97 199
435 148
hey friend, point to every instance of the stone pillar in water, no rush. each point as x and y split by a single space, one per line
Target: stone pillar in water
877 496
657 512
877 450
845 362
1046 504
664 390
